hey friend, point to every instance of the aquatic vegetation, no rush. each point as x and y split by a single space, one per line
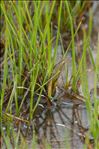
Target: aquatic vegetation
44 89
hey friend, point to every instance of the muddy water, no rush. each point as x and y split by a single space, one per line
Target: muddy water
65 124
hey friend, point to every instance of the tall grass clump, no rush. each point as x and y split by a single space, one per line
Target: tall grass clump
29 50
32 31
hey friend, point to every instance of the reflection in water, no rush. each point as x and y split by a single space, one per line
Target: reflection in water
61 125
64 123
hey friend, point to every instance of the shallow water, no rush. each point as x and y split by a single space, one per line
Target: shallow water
65 123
